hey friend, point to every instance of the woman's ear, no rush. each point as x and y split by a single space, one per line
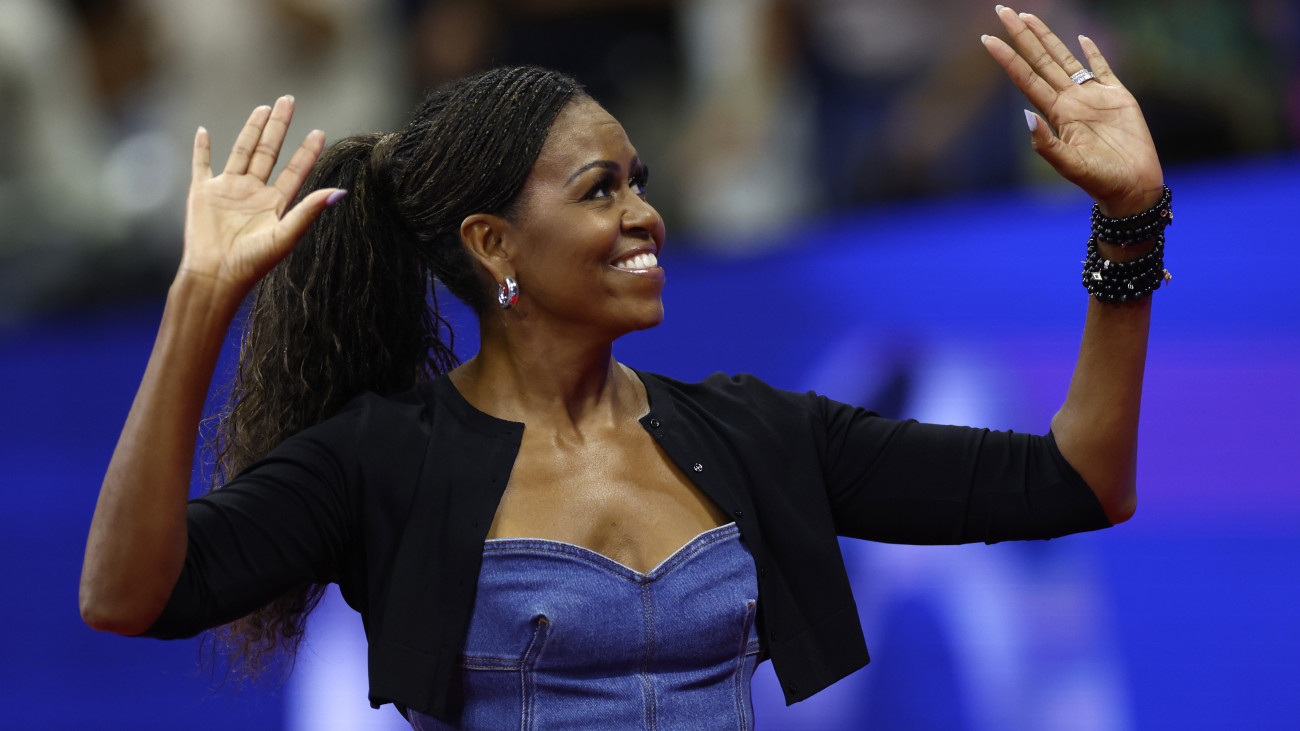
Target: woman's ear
485 237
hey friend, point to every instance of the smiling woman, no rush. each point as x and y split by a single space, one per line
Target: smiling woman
542 535
582 225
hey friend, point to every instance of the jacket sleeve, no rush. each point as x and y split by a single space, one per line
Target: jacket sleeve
907 482
283 522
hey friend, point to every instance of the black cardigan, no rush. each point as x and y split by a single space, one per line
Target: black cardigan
393 497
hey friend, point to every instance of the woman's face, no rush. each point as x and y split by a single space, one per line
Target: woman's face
585 243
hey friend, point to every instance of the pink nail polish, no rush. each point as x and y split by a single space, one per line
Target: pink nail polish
335 197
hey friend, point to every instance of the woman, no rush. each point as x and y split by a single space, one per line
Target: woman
542 531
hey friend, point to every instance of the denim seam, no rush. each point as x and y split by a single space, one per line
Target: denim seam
647 604
527 685
741 660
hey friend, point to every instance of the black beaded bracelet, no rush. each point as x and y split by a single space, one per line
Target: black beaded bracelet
1125 281
1137 227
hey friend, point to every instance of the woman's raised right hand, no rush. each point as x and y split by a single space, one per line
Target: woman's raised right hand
237 225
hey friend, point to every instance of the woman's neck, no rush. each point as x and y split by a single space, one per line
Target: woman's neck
549 381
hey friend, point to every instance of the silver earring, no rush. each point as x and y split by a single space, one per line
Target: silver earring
508 293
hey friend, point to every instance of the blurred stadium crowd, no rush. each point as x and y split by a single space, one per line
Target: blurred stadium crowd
754 114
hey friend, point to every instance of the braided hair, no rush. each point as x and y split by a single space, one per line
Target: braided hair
353 307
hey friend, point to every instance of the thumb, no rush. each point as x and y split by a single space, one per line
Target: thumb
1049 146
297 219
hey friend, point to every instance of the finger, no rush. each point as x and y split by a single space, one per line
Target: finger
296 221
1058 50
1039 92
242 152
201 166
1063 158
268 144
299 166
1033 51
1097 62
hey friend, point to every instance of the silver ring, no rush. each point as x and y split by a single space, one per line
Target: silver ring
1081 76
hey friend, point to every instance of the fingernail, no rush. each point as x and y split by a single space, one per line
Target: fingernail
288 97
335 197
202 129
1024 16
998 9
1032 120
1083 38
984 38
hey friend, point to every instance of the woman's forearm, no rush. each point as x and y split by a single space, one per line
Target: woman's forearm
1097 427
137 540
1093 134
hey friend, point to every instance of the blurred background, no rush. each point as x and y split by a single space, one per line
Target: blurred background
853 207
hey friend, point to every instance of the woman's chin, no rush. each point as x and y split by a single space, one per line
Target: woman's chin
650 317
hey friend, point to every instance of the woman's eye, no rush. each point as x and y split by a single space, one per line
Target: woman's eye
606 187
640 178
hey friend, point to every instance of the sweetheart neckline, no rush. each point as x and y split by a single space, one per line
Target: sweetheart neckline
499 544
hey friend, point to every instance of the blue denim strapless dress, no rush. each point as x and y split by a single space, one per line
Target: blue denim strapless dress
565 638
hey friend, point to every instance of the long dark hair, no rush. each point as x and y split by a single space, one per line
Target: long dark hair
352 308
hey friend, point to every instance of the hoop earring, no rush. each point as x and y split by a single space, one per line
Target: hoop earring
508 293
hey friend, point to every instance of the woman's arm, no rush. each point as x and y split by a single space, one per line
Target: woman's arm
1102 145
237 227
1096 428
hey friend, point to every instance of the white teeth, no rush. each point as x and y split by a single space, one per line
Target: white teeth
640 261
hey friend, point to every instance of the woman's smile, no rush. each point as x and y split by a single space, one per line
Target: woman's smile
642 262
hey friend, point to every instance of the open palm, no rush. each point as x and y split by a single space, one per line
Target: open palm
237 225
1102 142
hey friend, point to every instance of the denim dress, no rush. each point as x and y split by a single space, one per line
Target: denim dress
564 638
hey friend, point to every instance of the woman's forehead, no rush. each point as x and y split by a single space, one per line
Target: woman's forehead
583 132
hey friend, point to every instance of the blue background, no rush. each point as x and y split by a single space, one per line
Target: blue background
1183 617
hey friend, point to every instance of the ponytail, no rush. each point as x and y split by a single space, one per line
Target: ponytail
353 308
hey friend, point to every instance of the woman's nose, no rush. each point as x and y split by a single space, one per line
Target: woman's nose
640 215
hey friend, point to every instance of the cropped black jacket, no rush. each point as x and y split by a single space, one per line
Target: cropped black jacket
392 499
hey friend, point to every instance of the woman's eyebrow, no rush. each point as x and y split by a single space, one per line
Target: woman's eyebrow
606 164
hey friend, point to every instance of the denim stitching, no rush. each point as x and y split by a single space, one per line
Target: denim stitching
489 663
595 558
526 680
741 660
647 655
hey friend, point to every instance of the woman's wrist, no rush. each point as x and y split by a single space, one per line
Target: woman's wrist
205 295
1131 204
1137 230
1116 253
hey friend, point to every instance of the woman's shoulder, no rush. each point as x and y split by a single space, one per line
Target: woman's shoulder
369 422
743 392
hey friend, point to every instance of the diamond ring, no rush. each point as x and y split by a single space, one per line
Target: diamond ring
1081 76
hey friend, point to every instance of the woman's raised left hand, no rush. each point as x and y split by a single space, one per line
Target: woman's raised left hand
1101 143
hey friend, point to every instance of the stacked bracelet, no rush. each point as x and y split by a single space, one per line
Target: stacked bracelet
1125 281
1138 227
